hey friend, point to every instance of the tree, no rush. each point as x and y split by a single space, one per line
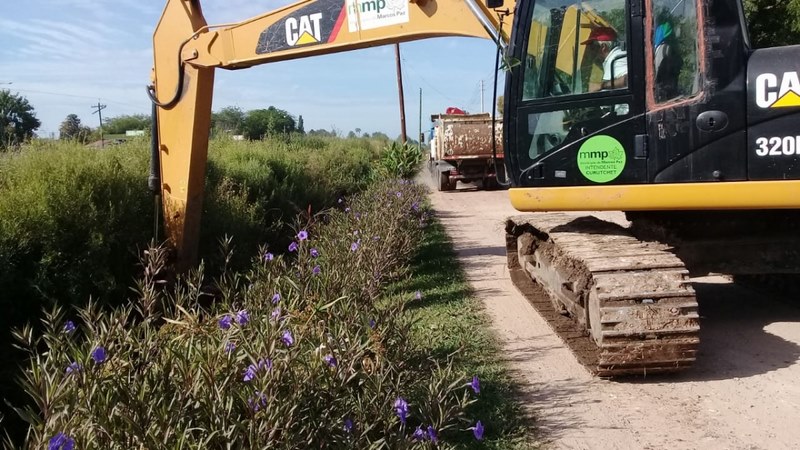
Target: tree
17 119
266 122
773 23
300 128
70 128
121 124
229 119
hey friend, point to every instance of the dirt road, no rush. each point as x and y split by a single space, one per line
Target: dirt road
743 392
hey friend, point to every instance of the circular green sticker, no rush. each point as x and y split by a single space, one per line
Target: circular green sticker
601 159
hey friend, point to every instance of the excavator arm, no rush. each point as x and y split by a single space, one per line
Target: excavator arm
187 50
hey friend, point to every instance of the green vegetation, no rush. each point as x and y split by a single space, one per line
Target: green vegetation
17 120
73 220
357 350
121 124
449 320
773 23
302 351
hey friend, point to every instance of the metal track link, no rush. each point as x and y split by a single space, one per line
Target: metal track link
624 307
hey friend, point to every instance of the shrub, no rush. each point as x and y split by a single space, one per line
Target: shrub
302 351
400 160
72 218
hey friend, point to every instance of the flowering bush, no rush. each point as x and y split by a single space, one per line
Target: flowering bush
302 351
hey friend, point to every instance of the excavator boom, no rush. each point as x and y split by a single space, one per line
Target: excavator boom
187 50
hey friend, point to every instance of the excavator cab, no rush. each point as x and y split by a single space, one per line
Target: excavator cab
626 93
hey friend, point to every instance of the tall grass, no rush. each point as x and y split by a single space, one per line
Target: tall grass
302 351
73 220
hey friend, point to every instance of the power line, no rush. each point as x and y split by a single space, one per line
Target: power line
78 96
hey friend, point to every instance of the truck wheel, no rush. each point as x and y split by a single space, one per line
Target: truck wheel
444 182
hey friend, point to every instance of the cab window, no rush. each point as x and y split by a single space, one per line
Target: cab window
675 54
575 47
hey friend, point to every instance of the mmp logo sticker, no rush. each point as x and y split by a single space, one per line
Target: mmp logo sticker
601 159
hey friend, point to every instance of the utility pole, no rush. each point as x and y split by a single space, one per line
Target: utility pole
481 96
421 136
403 136
99 108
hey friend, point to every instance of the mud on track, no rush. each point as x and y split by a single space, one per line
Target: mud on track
742 393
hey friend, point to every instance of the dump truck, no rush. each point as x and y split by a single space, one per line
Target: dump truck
461 149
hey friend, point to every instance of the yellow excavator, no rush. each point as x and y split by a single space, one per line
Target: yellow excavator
658 108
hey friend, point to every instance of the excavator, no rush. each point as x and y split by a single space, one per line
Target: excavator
658 108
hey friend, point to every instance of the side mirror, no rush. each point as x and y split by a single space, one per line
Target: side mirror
422 138
494 4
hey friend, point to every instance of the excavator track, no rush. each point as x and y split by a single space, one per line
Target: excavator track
623 306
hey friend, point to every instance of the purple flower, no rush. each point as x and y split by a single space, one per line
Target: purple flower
348 425
265 364
225 322
276 314
476 384
242 317
287 338
330 360
355 233
432 434
73 367
354 246
230 347
302 235
268 256
419 434
250 372
99 355
293 247
276 298
258 401
401 409
477 430
372 323
61 442
253 369
376 238
418 295
69 327
358 216
415 206
347 210
316 270
398 194
314 253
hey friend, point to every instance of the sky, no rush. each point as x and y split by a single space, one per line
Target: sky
66 55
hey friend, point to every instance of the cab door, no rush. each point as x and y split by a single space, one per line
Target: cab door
572 116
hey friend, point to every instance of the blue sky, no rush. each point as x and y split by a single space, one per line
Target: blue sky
65 55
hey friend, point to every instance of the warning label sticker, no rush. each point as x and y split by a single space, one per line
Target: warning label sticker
369 14
601 159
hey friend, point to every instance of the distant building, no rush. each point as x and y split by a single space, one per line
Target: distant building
238 137
134 133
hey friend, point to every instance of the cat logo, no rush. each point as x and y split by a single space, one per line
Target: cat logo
770 95
303 30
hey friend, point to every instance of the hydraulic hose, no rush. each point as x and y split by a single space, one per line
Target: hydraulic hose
506 182
154 180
